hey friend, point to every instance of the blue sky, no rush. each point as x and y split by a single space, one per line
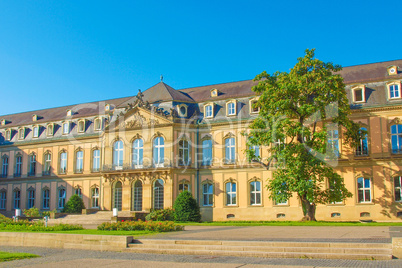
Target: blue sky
55 53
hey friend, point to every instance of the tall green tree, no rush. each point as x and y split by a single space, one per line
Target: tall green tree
298 110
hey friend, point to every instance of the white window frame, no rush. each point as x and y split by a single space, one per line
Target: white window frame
35 131
230 147
158 148
118 154
137 196
61 198
333 141
252 101
230 194
184 186
18 165
95 197
205 161
363 93
255 193
66 128
231 108
79 161
398 91
21 133
81 126
209 110
364 189
138 153
63 162
96 160
45 198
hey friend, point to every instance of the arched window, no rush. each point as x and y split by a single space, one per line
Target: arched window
158 194
61 197
255 193
63 162
207 152
31 198
4 167
32 165
230 150
231 199
79 161
95 197
117 196
18 165
48 164
138 153
118 152
184 153
78 191
159 151
362 148
137 196
396 139
46 198
207 194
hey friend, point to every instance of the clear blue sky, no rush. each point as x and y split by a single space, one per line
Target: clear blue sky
55 53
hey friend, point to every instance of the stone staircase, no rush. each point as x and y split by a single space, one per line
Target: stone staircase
319 250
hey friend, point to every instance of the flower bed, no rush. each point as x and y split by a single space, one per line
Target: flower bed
166 226
25 225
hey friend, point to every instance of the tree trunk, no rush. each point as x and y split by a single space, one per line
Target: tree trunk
308 210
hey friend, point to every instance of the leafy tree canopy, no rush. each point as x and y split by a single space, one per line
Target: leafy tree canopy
297 109
74 205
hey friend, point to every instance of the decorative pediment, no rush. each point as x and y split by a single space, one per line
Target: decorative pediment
141 118
395 121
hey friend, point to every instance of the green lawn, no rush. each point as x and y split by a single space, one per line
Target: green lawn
289 223
8 256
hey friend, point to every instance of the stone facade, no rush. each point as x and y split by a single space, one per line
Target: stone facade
138 153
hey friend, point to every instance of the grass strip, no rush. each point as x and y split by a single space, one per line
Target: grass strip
11 256
89 232
289 223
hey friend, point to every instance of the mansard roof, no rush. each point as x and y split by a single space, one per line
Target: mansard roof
162 92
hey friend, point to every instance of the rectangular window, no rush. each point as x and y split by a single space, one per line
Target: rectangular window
18 166
50 130
230 194
62 198
394 92
78 192
207 194
66 128
63 163
255 193
362 148
3 199
184 153
31 199
98 124
358 95
21 133
208 111
96 161
79 162
364 190
397 188
183 186
17 199
4 167
396 139
207 152
35 132
46 199
230 150
95 197
81 126
32 165
8 135
333 142
231 108
48 164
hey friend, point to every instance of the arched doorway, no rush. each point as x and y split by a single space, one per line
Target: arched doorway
117 196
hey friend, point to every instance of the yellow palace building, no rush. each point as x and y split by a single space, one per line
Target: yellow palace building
138 153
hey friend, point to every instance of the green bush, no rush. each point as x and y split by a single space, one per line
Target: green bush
166 226
160 215
25 225
32 212
186 208
74 205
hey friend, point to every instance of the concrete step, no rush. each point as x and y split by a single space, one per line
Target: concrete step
377 251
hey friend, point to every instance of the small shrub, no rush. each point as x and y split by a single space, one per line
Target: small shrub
32 212
166 226
161 215
47 213
186 208
74 205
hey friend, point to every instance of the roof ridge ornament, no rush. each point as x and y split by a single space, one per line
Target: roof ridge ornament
161 78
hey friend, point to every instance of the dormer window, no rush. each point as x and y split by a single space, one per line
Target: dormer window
81 126
50 129
231 108
214 92
182 110
4 122
392 70
8 134
35 131
209 110
35 117
253 108
394 90
359 94
107 107
21 133
66 128
69 112
97 124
